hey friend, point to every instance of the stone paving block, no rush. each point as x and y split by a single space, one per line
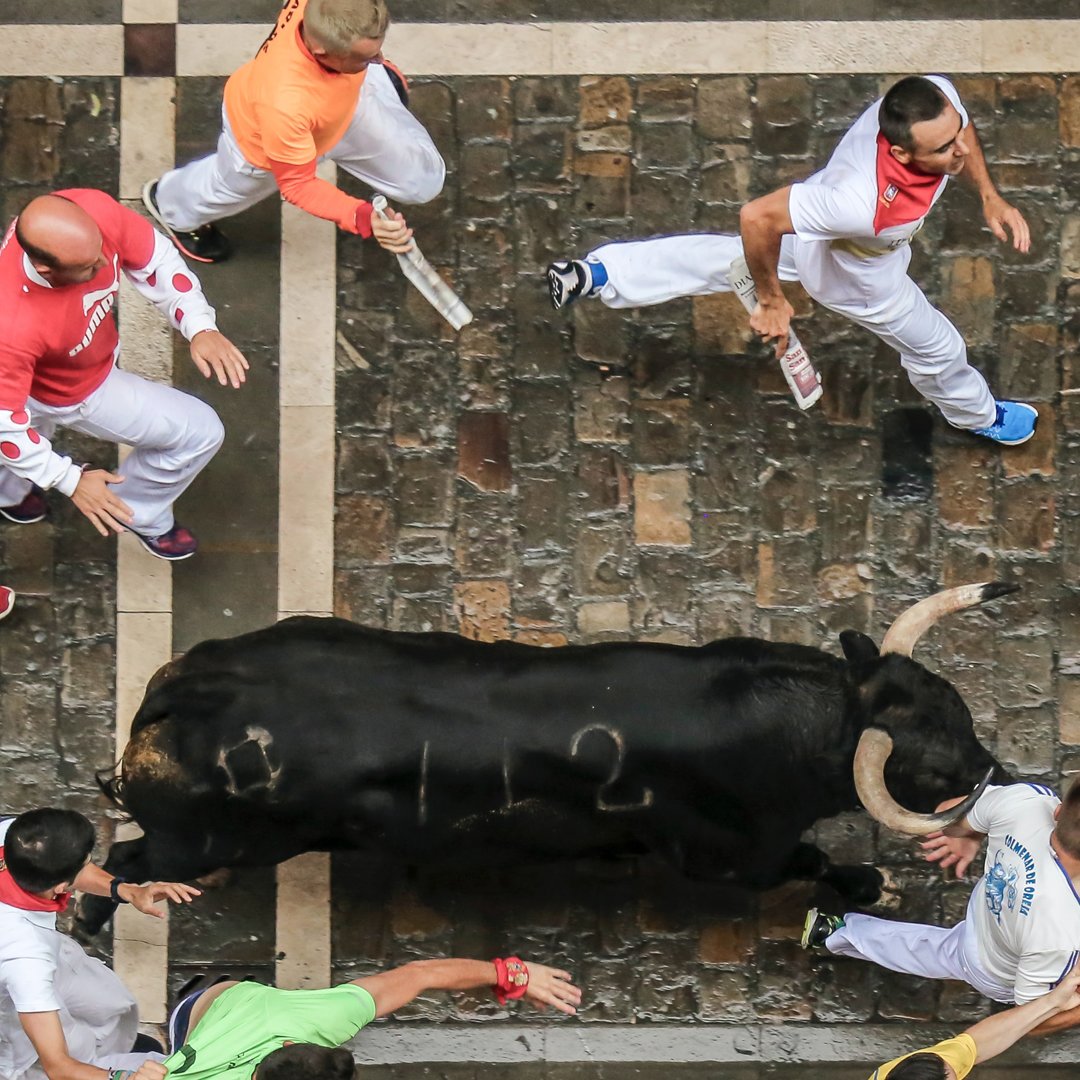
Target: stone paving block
661 510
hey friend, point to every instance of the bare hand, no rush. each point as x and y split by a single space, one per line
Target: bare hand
999 214
958 851
102 508
549 986
213 351
773 320
394 235
1066 995
150 1070
144 897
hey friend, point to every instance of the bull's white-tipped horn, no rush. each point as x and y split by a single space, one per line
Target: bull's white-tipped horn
872 753
904 634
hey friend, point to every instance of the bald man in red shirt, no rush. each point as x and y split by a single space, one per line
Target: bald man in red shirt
60 267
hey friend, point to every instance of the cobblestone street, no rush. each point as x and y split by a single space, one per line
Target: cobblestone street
601 475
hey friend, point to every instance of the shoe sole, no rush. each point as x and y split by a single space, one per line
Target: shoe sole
158 555
808 927
23 520
557 290
155 213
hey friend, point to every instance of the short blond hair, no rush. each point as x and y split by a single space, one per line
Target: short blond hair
336 25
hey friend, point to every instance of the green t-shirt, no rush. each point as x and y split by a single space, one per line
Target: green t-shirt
250 1020
959 1052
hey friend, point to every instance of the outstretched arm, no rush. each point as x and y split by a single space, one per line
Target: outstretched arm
763 222
1056 1011
998 213
43 1029
393 989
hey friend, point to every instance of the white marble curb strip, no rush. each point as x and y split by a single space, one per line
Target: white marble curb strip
654 48
306 533
409 1043
665 48
143 584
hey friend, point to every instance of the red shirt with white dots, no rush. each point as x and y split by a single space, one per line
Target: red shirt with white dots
58 344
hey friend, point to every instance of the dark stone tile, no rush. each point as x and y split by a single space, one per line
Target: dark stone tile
239 11
150 49
84 12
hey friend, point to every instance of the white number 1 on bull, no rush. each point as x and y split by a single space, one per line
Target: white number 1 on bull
799 372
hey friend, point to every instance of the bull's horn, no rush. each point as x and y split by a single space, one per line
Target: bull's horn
904 634
873 751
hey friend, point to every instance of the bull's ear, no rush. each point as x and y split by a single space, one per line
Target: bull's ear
858 647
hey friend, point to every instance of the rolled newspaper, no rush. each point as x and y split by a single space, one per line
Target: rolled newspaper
427 280
800 373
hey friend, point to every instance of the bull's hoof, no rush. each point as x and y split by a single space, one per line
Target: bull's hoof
892 891
216 879
92 913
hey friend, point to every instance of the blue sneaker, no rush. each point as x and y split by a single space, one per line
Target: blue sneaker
569 279
1015 423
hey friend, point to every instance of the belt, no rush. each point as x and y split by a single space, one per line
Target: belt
860 252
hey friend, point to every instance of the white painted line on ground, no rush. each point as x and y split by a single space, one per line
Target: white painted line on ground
306 532
666 48
144 584
150 11
59 51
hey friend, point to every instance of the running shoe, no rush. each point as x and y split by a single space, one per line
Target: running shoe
818 928
32 508
178 543
1015 423
206 244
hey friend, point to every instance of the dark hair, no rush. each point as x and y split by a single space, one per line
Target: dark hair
922 1066
910 101
37 255
306 1061
44 848
1068 823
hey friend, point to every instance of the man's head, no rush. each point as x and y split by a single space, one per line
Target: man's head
922 1067
45 849
346 35
923 127
1067 830
306 1061
61 239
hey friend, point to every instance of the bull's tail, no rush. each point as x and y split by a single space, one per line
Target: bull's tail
111 783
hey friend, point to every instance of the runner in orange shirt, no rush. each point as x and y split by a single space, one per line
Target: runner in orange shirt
317 89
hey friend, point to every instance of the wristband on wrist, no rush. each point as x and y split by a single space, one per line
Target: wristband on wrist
121 1074
512 979
114 895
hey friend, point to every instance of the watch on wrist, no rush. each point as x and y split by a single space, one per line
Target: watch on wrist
114 890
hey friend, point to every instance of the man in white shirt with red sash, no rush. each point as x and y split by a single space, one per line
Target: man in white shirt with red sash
63 1015
845 234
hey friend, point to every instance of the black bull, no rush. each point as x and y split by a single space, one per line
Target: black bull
319 734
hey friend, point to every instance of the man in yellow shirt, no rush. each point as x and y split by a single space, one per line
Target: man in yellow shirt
317 89
954 1058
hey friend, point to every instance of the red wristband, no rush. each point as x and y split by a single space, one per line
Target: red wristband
363 219
513 979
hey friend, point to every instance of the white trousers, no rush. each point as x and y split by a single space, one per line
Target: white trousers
892 306
385 146
932 952
173 436
99 1017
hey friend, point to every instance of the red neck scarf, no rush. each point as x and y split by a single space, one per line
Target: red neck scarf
903 194
17 897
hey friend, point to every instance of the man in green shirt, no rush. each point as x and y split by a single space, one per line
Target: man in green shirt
240 1031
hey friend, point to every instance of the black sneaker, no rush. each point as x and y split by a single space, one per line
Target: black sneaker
568 279
818 928
206 244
